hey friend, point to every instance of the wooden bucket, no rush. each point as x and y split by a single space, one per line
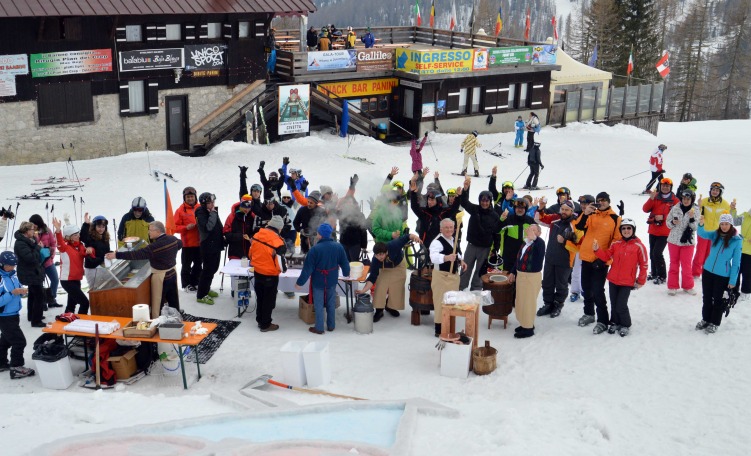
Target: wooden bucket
503 292
420 293
483 359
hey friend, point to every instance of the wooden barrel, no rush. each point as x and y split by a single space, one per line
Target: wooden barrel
483 359
503 292
420 293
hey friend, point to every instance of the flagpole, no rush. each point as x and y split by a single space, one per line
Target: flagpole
630 56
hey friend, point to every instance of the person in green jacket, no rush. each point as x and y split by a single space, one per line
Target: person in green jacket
744 220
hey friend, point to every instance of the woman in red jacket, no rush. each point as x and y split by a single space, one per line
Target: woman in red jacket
185 222
627 254
72 253
658 207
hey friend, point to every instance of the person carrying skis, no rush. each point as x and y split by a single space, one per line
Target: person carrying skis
416 153
519 127
469 149
655 165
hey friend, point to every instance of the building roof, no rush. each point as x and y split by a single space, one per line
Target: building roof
42 8
573 72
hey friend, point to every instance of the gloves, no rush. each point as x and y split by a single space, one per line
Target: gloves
426 134
353 181
7 213
243 171
304 185
461 151
285 160
281 173
542 166
290 183
261 165
621 209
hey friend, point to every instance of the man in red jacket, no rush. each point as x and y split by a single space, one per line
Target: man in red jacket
658 207
185 222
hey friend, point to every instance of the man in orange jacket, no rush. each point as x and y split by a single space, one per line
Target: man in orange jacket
267 249
190 259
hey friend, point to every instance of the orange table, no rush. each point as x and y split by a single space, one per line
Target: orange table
58 327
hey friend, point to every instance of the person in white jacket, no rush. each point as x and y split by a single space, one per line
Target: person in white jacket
682 221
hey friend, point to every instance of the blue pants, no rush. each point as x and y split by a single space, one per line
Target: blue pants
329 303
51 272
519 141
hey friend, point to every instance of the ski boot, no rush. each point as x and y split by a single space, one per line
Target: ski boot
464 172
477 173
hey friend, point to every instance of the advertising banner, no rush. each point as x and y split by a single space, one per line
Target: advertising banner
205 56
7 85
71 62
14 64
434 61
152 59
363 87
510 56
332 60
375 60
480 62
294 109
544 54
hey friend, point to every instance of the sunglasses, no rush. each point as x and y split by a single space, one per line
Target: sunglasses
487 200
602 200
626 228
137 209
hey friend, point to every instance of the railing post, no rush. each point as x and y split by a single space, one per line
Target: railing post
581 102
638 96
594 106
651 96
625 97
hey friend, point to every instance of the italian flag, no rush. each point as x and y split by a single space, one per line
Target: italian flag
630 67
452 24
417 13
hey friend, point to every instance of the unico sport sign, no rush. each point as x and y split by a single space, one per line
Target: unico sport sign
434 61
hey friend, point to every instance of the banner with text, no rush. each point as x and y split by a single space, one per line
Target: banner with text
294 109
14 64
544 54
205 56
518 55
7 85
332 60
375 60
71 62
434 61
361 88
152 59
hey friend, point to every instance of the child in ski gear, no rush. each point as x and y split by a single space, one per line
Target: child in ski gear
519 127
532 126
688 182
11 335
682 223
710 208
415 152
658 207
72 254
720 273
469 149
47 238
627 255
655 165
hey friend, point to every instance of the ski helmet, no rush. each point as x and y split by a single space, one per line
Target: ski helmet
138 203
273 175
662 147
206 198
8 258
688 176
99 220
667 180
189 191
563 191
256 188
474 132
628 222
718 186
507 184
485 195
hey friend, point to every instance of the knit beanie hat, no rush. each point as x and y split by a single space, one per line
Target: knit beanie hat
246 202
315 196
726 218
326 189
325 230
603 195
277 223
70 230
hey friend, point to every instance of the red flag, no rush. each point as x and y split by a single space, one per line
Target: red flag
663 66
555 30
630 67
432 14
417 11
452 24
527 26
498 23
169 218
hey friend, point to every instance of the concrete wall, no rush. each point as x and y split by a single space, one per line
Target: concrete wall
23 141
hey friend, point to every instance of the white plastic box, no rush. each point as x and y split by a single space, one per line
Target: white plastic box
455 360
317 364
293 366
57 375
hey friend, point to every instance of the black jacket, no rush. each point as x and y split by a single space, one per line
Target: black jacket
556 253
264 215
100 248
30 271
534 157
483 224
270 187
353 229
210 230
312 39
237 246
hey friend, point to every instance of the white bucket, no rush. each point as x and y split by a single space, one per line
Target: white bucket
317 364
363 322
57 375
293 366
355 269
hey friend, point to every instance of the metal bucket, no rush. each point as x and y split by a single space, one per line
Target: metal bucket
363 322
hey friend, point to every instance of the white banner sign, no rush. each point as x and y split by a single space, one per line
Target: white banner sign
14 64
7 85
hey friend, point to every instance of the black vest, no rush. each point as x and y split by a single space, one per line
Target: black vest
448 249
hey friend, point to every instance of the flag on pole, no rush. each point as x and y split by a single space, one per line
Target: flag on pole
630 67
527 26
169 216
452 24
555 30
498 23
417 13
593 58
432 14
472 18
663 65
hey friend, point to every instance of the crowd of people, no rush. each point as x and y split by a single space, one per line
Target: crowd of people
588 244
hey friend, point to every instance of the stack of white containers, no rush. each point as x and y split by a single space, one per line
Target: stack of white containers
306 362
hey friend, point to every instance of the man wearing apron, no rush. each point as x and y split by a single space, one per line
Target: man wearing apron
162 256
388 270
447 259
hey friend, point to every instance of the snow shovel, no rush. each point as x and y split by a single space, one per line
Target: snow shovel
266 378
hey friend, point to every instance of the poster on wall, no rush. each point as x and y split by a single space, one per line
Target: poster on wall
205 56
332 60
510 56
14 64
480 62
428 110
434 61
71 62
544 55
294 109
375 60
440 108
152 59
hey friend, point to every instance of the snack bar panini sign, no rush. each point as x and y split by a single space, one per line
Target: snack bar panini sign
363 87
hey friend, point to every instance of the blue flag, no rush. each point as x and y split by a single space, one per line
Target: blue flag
593 59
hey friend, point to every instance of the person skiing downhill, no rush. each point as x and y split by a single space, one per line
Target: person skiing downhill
655 165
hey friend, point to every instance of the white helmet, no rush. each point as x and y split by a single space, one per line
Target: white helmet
629 222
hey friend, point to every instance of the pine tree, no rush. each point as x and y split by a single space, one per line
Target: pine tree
600 21
638 30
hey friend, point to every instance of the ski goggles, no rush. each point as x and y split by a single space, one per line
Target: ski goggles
508 184
398 185
563 191
451 192
716 185
667 181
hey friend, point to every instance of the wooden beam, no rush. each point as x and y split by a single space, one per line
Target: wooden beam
226 105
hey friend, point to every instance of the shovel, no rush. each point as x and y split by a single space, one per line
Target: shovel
266 378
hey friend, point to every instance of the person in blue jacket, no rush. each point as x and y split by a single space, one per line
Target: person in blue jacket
368 39
720 273
322 267
11 335
520 127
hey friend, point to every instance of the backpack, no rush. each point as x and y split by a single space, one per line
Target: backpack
538 127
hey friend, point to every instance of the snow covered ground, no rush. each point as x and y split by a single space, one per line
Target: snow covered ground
664 389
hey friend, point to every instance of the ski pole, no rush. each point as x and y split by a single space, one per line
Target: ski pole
517 177
221 284
489 150
47 210
634 175
13 229
80 198
431 148
148 156
75 214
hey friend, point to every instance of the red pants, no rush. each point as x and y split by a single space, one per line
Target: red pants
702 252
680 264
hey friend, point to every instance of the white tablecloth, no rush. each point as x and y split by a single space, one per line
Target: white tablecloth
286 279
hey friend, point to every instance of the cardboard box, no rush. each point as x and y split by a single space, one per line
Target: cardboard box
124 365
130 330
306 312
